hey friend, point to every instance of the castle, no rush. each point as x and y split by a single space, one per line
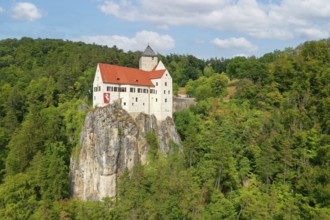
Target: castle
147 89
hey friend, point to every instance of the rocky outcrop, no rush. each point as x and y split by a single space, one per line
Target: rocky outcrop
111 141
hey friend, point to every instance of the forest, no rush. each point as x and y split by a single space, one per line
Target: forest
255 146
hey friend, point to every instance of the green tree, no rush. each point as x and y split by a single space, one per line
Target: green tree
18 197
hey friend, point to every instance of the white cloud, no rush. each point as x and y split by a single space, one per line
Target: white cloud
313 33
2 10
234 44
124 9
111 8
138 42
281 20
26 11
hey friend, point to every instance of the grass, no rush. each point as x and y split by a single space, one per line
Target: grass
231 90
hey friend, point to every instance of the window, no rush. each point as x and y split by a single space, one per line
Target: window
164 91
109 88
139 90
97 88
156 83
115 89
132 103
136 99
156 100
165 100
132 89
165 83
143 104
124 103
145 90
169 92
122 89
152 91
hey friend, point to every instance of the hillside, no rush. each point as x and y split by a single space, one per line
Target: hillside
263 153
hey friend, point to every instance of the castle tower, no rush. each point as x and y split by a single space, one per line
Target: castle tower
148 59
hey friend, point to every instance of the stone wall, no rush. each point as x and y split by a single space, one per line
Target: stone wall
180 103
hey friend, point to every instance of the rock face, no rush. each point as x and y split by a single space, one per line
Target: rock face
111 141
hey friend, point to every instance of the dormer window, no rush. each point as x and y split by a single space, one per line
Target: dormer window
118 78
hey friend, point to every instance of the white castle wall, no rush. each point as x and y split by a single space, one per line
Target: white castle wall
159 103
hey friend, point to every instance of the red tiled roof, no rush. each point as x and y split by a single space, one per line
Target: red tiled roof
125 75
156 74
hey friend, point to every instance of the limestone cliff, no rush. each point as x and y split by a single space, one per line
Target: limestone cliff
111 140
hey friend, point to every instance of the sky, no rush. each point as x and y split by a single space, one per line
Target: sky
203 28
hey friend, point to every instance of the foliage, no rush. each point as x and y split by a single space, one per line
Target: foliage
264 154
206 87
153 151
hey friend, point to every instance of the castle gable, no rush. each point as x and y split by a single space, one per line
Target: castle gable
160 66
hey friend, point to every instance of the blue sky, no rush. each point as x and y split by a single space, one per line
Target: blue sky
203 28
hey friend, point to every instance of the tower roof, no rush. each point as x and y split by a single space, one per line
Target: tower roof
148 52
